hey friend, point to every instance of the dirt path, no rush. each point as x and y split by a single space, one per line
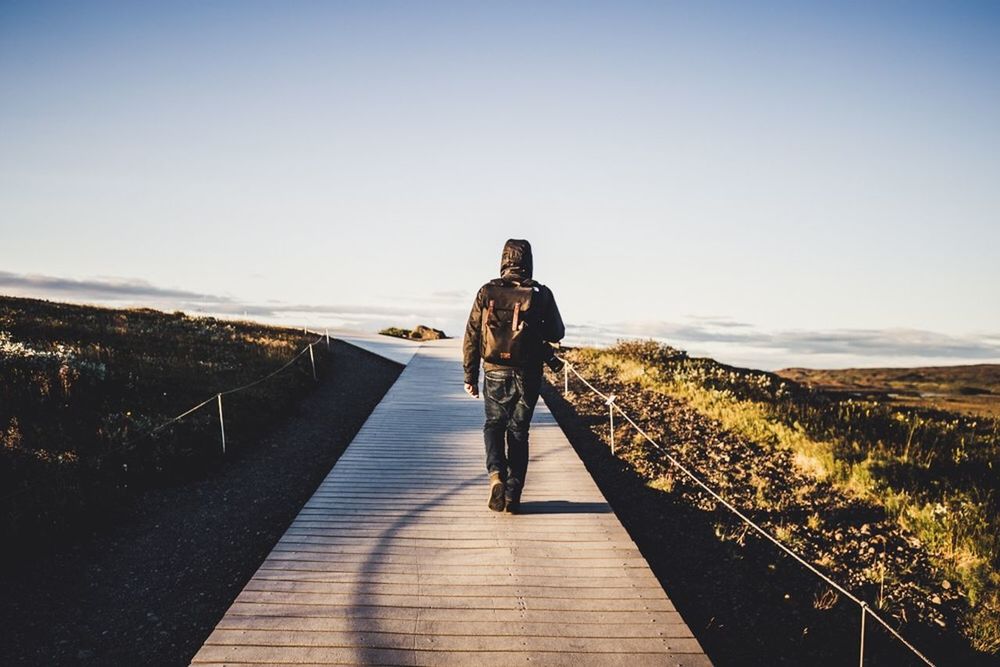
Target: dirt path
148 590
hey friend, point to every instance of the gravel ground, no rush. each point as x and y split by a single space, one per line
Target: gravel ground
148 589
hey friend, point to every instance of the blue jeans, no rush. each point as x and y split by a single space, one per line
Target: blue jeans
509 396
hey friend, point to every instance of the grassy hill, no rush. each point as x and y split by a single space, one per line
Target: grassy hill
899 501
83 390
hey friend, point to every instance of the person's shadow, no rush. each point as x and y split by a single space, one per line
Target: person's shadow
562 507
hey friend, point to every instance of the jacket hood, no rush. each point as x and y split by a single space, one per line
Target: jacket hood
516 259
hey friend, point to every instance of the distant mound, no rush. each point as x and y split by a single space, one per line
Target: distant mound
968 389
420 332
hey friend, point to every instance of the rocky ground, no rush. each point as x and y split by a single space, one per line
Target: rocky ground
746 602
148 589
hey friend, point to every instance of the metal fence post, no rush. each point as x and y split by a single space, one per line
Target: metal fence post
312 360
861 657
222 424
611 419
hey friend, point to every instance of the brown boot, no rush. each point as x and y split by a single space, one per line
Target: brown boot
496 501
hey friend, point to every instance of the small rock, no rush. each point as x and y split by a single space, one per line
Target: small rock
946 584
422 332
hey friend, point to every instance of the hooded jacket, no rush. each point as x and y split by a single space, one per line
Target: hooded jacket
515 270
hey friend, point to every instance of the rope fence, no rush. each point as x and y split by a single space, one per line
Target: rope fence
609 400
217 399
308 349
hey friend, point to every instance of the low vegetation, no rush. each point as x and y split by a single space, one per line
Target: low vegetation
83 390
972 390
898 502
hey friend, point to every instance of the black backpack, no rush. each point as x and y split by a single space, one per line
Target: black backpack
511 331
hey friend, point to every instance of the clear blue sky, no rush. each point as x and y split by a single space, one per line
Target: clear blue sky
770 183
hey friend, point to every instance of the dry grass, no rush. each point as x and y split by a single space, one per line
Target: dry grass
971 390
930 471
81 388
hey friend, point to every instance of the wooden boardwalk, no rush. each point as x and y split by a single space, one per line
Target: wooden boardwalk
399 350
396 559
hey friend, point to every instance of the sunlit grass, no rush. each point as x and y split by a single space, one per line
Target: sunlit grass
929 470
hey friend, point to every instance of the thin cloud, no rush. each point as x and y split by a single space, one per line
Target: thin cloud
863 343
98 287
119 290
882 342
451 295
720 336
719 321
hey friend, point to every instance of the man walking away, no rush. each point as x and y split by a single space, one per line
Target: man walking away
513 320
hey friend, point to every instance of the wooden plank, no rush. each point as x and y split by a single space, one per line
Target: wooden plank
501 615
396 560
427 601
575 585
300 655
561 659
421 588
361 564
674 627
351 637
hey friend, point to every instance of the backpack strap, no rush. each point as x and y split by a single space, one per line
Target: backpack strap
517 314
489 309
